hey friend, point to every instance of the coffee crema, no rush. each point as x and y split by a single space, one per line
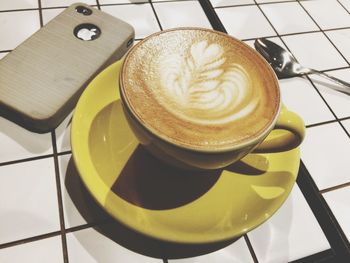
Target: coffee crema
199 89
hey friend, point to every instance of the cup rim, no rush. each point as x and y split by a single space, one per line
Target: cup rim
251 141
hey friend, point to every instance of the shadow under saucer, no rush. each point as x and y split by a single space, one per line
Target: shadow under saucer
121 234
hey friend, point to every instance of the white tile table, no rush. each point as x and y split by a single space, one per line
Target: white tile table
39 186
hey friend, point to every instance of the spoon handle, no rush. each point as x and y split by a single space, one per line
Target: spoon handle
343 86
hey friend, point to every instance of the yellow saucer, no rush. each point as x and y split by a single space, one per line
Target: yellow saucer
162 202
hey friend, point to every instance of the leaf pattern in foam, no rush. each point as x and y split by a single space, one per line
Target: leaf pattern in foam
204 88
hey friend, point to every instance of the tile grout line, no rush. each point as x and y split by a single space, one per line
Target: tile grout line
332 69
155 14
29 239
26 159
333 188
250 247
335 29
89 225
170 1
330 41
254 4
118 4
98 4
343 6
40 14
345 130
69 152
324 100
327 122
323 214
19 10
314 31
59 199
268 20
212 16
52 234
64 6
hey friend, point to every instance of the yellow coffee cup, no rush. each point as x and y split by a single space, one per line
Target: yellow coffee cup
200 99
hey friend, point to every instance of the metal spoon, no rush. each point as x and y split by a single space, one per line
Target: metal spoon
286 66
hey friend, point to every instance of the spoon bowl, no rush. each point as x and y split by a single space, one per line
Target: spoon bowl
286 66
283 63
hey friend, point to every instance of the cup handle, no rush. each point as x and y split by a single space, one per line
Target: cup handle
287 134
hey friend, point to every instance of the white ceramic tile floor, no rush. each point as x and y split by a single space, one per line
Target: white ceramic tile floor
338 201
19 4
16 27
181 14
18 143
217 3
171 0
72 217
239 22
320 11
41 251
315 51
140 16
346 4
346 124
325 153
89 246
307 95
338 101
64 3
238 252
106 2
63 135
289 18
275 242
49 14
341 39
71 185
269 1
284 236
28 197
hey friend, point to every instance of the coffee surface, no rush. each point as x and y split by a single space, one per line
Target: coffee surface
199 88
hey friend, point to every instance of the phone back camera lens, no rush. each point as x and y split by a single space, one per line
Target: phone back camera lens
83 10
130 42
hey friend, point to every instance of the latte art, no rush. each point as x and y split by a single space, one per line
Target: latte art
204 87
199 88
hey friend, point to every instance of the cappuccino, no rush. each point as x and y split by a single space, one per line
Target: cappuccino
199 89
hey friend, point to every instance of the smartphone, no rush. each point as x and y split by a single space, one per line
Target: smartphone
42 79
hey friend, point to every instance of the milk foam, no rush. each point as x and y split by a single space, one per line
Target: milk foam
199 88
203 87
